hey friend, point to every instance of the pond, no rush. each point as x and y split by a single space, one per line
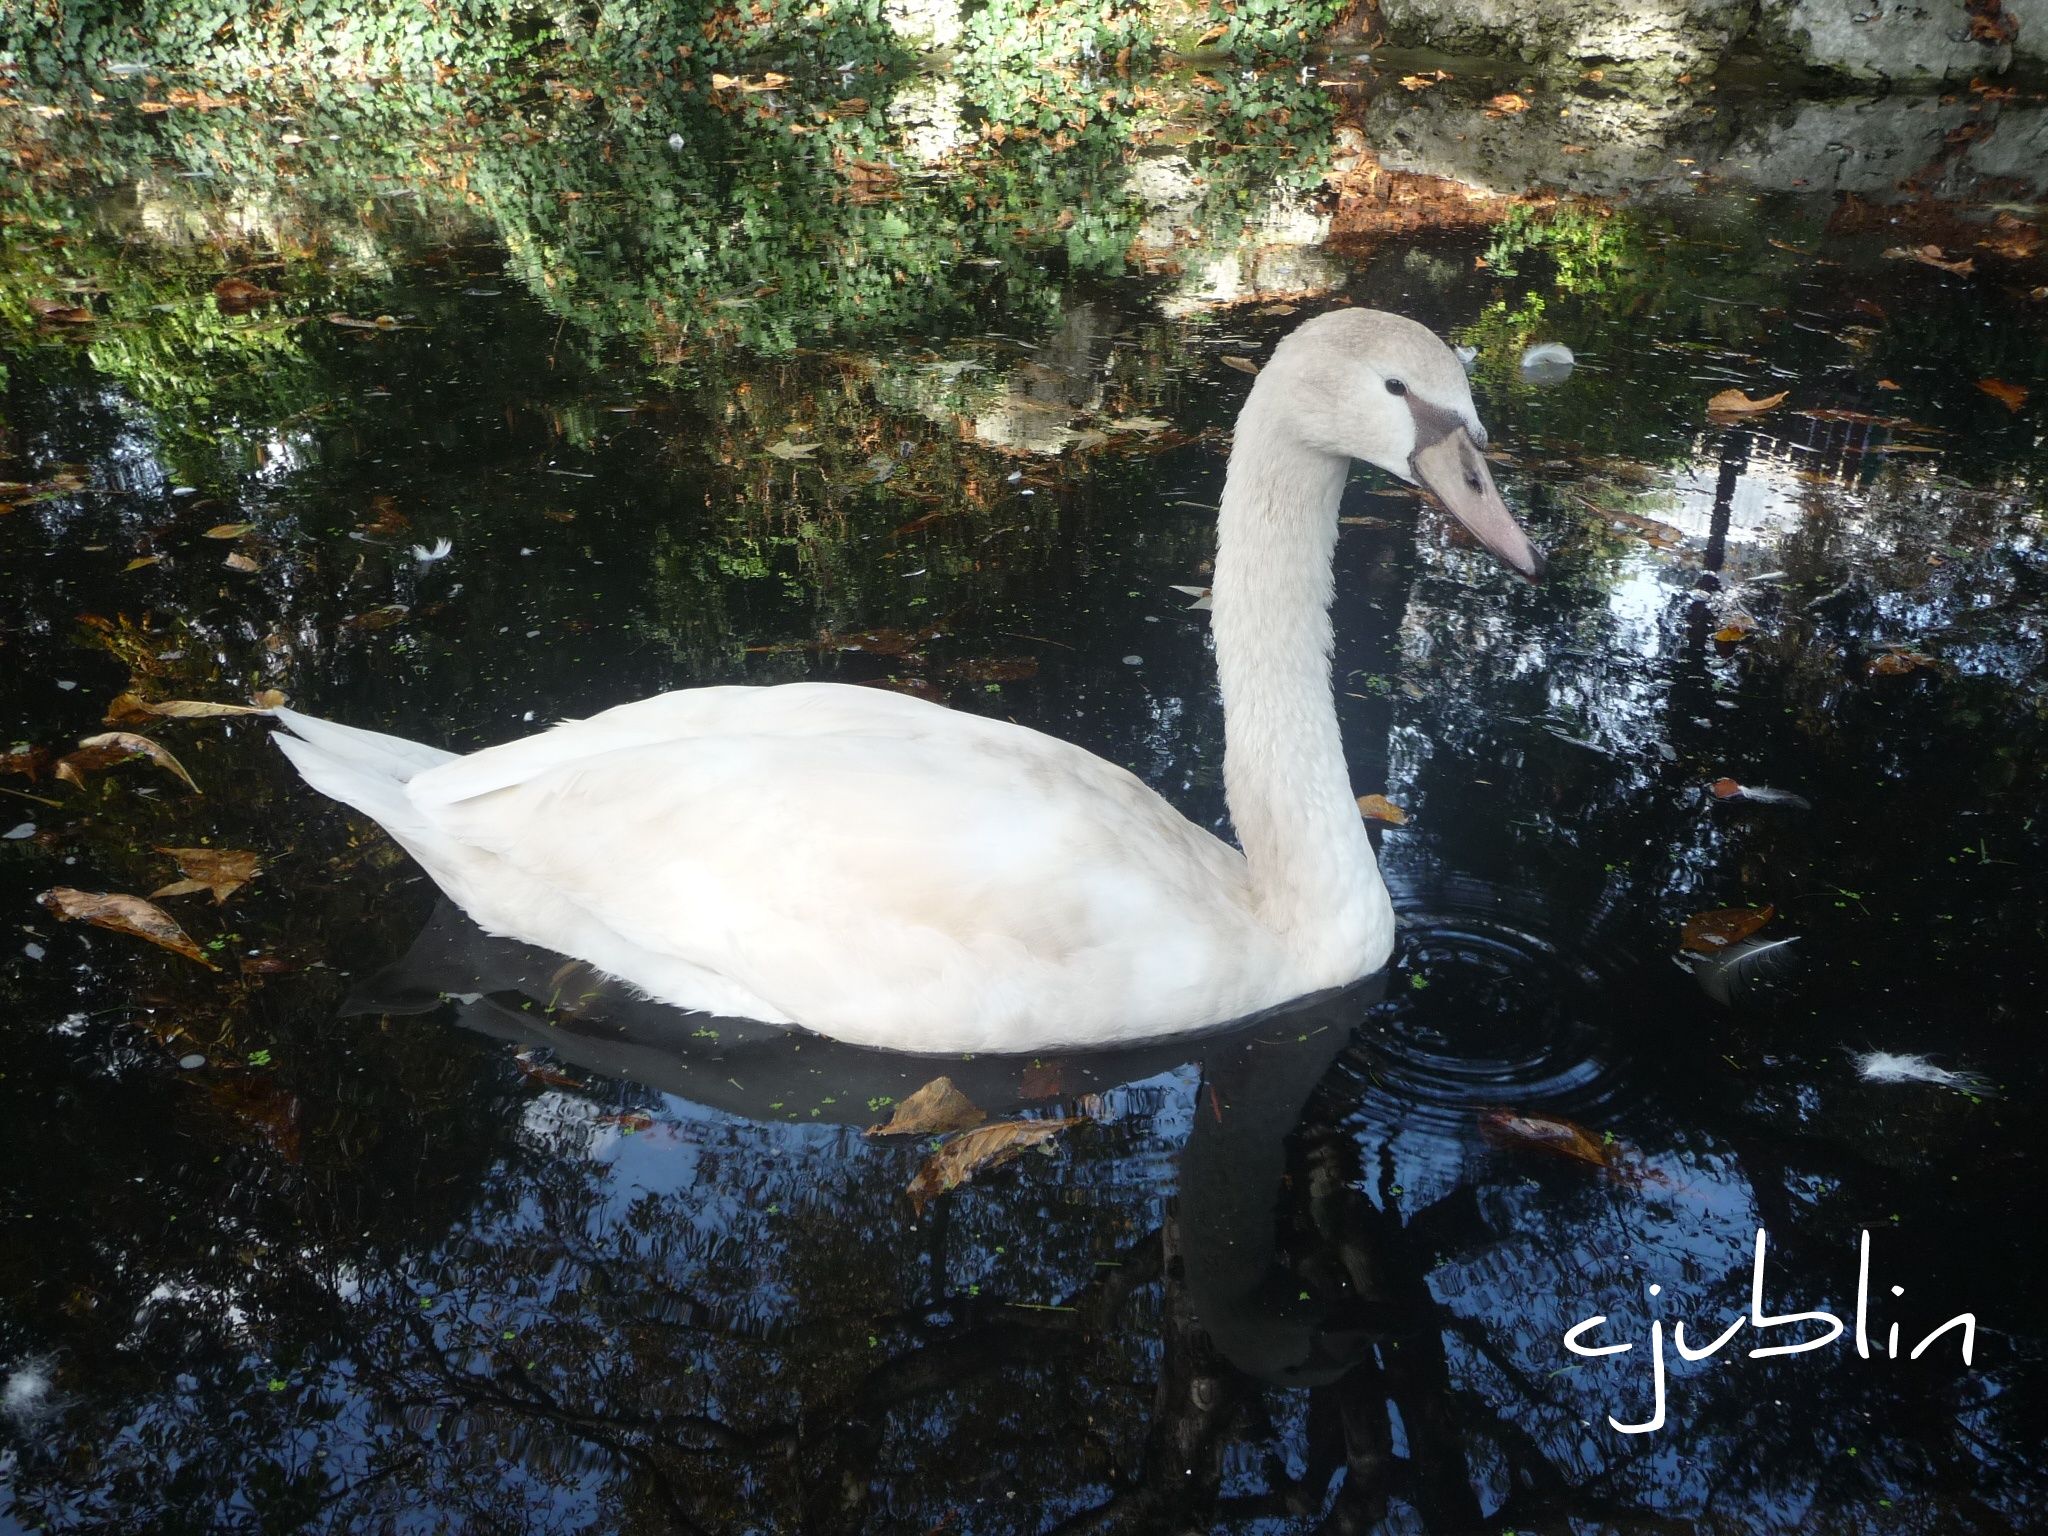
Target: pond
455 407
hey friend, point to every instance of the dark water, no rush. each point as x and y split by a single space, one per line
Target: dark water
434 1235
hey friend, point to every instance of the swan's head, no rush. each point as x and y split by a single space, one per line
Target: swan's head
1368 385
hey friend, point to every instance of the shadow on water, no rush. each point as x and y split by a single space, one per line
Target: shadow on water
923 381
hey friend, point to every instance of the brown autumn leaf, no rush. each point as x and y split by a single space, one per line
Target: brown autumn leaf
140 561
1542 1133
1241 364
130 705
1888 385
977 1151
267 699
1424 82
936 1108
1707 933
1736 630
28 762
2011 396
1899 663
124 914
228 530
237 296
1733 402
376 618
112 747
54 312
1507 104
223 871
1380 808
237 561
1931 256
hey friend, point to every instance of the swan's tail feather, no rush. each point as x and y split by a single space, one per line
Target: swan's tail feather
390 757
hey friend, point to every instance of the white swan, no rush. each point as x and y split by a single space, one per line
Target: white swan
897 874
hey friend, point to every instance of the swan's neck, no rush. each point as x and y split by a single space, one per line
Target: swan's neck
1313 875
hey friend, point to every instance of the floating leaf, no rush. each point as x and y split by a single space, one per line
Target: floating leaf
267 699
181 709
222 871
1899 663
1138 424
1734 628
140 561
1931 256
111 747
124 914
1507 104
1733 402
785 449
237 297
1424 82
1241 364
1733 973
1541 1133
977 1151
228 530
1380 808
2011 396
55 312
936 1108
1758 794
381 323
237 561
1708 933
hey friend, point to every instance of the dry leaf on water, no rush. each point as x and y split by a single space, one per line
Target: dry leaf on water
1540 1133
1735 627
111 747
228 530
1241 364
235 296
1507 104
1380 808
1706 933
237 561
1758 794
785 449
1931 256
1733 402
129 706
936 1108
1899 663
222 871
2011 396
52 312
977 1151
124 914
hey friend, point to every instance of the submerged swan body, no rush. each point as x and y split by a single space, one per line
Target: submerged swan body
893 873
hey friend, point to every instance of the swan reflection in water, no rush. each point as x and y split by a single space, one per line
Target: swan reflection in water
1240 1310
1322 1299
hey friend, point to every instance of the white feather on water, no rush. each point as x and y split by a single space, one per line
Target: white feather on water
27 1394
1894 1067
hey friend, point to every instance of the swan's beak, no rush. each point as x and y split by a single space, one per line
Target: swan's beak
1454 471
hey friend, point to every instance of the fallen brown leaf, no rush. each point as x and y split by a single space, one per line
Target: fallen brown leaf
55 313
1541 1133
1507 104
936 1108
977 1151
237 561
1931 256
228 530
124 914
1733 402
130 705
235 296
1241 364
1380 808
112 747
2011 396
223 871
1706 933
1899 663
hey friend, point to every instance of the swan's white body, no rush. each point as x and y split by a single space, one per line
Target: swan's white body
898 874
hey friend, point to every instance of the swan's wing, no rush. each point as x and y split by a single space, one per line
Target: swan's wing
871 865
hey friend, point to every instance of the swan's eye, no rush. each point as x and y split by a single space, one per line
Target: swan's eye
1472 481
1396 387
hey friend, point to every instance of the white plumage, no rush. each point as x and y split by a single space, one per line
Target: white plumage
898 874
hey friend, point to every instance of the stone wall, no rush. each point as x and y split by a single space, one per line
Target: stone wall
1860 39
